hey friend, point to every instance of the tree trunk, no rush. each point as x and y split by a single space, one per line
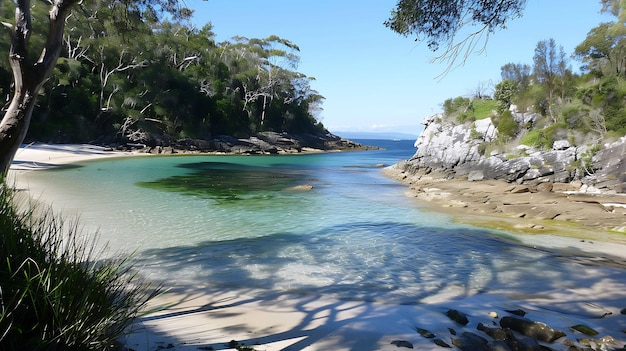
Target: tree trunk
28 77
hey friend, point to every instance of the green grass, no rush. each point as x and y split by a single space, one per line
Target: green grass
483 108
54 292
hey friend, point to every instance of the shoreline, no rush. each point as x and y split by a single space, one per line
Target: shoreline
210 318
498 205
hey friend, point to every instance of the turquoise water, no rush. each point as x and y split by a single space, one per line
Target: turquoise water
237 222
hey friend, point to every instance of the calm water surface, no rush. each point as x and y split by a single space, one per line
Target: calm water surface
236 222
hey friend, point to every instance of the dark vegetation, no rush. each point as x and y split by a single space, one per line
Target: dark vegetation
55 293
128 74
584 108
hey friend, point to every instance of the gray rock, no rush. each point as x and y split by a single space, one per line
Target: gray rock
476 175
499 345
527 344
471 342
425 333
457 316
561 145
495 333
402 343
441 343
537 330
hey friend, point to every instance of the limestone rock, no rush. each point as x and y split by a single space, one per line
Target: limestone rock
450 148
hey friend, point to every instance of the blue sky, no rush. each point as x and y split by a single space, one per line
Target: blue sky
375 80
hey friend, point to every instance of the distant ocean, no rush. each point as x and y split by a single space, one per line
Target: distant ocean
328 224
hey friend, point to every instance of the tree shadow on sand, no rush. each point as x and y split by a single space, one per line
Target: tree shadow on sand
373 295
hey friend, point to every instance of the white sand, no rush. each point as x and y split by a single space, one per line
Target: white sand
207 319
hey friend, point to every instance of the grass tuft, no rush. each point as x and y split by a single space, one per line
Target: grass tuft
55 292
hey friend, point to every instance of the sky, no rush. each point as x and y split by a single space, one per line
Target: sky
375 80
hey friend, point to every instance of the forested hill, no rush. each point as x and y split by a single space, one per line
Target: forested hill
130 75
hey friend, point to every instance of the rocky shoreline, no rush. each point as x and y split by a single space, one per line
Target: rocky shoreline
514 331
557 209
263 143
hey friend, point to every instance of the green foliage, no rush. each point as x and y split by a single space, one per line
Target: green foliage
127 69
475 135
505 90
453 106
507 125
54 293
483 108
585 163
535 138
468 110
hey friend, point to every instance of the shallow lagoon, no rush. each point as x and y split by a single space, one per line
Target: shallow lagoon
237 222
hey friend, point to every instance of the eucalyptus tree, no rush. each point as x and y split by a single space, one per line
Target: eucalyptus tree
34 51
549 69
29 73
263 69
440 21
604 49
520 73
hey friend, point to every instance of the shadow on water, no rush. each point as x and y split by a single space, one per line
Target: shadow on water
391 269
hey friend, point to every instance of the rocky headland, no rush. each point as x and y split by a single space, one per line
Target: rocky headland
520 187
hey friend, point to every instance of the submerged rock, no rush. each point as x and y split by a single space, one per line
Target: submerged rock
457 316
495 333
537 330
425 333
402 343
471 342
442 343
585 329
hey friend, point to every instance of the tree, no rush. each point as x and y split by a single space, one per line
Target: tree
440 22
518 73
28 75
550 65
505 90
28 36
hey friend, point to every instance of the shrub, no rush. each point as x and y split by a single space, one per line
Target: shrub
54 294
535 138
507 125
505 90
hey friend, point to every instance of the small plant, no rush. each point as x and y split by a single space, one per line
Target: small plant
54 293
475 135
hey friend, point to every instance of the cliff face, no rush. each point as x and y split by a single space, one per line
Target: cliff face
458 151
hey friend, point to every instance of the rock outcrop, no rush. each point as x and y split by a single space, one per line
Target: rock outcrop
261 143
458 150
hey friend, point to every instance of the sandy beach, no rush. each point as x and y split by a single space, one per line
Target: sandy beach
225 319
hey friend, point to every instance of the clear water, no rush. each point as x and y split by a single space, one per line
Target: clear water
236 222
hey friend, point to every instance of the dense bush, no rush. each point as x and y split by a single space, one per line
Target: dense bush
54 295
534 138
507 125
